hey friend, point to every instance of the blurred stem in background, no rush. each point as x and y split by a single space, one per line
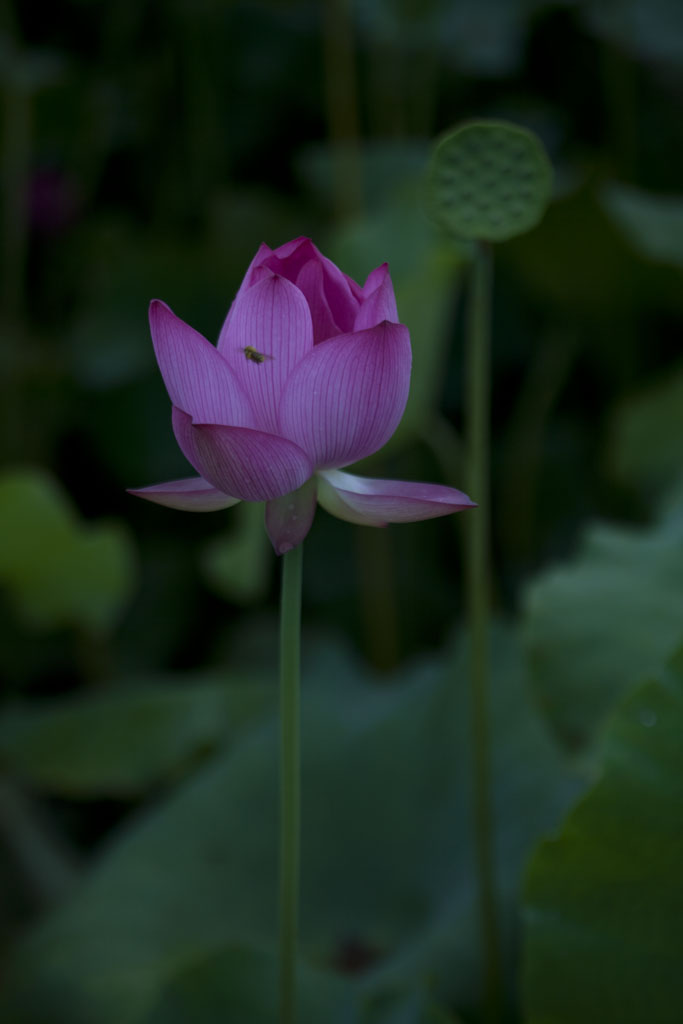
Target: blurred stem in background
378 603
478 356
422 94
25 363
15 163
378 597
447 448
385 74
342 108
403 85
200 108
290 777
547 374
620 96
16 160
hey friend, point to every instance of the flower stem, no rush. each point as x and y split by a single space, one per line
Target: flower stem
478 346
290 777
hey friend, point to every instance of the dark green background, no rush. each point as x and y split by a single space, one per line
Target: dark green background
147 150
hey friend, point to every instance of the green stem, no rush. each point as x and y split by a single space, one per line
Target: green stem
290 777
478 602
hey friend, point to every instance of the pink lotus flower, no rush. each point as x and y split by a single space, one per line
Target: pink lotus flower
311 373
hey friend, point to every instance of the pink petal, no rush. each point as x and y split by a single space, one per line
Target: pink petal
378 301
374 279
192 494
255 272
288 259
287 249
251 464
197 378
310 284
272 317
346 398
289 518
354 288
341 297
378 502
339 294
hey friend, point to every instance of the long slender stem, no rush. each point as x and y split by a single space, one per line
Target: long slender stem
290 778
478 601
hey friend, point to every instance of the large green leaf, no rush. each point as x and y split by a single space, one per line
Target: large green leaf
241 985
36 518
387 865
576 260
481 38
126 740
60 571
604 622
604 901
646 434
650 31
652 223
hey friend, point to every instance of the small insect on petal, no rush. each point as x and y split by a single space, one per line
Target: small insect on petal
255 356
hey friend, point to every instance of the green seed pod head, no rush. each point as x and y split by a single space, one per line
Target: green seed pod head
489 180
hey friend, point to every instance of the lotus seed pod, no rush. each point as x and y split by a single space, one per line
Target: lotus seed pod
489 181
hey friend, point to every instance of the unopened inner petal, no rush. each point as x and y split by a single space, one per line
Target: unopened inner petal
310 283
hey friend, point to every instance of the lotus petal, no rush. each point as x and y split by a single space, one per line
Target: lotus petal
379 302
346 398
288 259
289 518
270 332
197 378
310 284
191 494
378 502
249 464
255 272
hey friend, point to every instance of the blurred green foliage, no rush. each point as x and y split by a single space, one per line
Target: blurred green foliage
386 874
127 741
608 620
147 149
645 438
604 898
59 571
